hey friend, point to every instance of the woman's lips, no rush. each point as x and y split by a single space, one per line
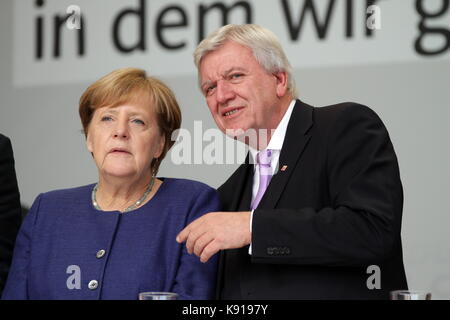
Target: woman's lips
119 151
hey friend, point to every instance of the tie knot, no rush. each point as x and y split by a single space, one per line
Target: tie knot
264 157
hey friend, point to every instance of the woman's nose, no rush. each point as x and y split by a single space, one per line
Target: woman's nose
121 130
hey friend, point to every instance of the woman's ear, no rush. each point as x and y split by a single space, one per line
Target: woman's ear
161 144
89 143
282 83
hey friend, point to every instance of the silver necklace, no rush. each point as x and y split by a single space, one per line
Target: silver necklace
133 206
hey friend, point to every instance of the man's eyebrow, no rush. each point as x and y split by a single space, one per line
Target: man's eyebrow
224 74
207 82
227 72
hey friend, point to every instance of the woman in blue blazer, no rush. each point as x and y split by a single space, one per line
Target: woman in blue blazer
116 238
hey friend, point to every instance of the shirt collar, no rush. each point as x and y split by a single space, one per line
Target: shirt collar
277 139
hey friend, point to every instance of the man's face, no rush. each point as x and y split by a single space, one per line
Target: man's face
240 94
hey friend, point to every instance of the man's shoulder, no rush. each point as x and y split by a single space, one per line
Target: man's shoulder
3 138
5 142
341 115
334 111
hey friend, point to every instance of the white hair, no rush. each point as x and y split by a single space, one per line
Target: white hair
264 44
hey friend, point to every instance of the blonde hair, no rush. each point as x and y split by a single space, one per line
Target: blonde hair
131 85
264 44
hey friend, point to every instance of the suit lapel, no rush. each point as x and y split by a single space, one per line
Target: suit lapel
239 187
238 190
295 141
246 199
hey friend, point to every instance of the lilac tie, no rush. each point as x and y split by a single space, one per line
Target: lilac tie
265 174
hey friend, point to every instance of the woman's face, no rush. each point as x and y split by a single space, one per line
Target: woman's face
125 139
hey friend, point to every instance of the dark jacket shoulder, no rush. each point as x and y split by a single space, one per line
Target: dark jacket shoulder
328 115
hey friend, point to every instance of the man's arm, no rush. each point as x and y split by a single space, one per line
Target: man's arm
216 231
361 226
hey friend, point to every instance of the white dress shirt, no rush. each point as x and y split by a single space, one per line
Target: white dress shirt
275 144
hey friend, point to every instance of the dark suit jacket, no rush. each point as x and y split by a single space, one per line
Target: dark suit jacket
10 210
335 211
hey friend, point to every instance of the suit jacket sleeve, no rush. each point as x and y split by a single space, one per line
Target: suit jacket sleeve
10 210
362 224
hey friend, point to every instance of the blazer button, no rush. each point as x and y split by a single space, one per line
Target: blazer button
100 253
93 284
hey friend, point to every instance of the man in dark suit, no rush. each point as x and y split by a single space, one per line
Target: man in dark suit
315 212
10 209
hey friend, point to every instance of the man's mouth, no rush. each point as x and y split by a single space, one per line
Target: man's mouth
231 112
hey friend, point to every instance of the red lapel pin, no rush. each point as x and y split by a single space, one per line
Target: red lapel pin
283 168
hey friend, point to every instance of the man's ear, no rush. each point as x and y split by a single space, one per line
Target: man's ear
282 83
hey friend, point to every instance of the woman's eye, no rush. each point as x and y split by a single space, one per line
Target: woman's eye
138 121
106 118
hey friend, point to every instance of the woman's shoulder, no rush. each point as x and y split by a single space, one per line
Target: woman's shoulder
187 190
67 194
61 200
189 196
187 186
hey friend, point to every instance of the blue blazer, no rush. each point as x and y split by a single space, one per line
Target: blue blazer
66 249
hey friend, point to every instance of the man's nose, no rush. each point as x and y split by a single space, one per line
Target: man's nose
224 91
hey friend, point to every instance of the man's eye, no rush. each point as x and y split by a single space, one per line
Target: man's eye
235 76
209 90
